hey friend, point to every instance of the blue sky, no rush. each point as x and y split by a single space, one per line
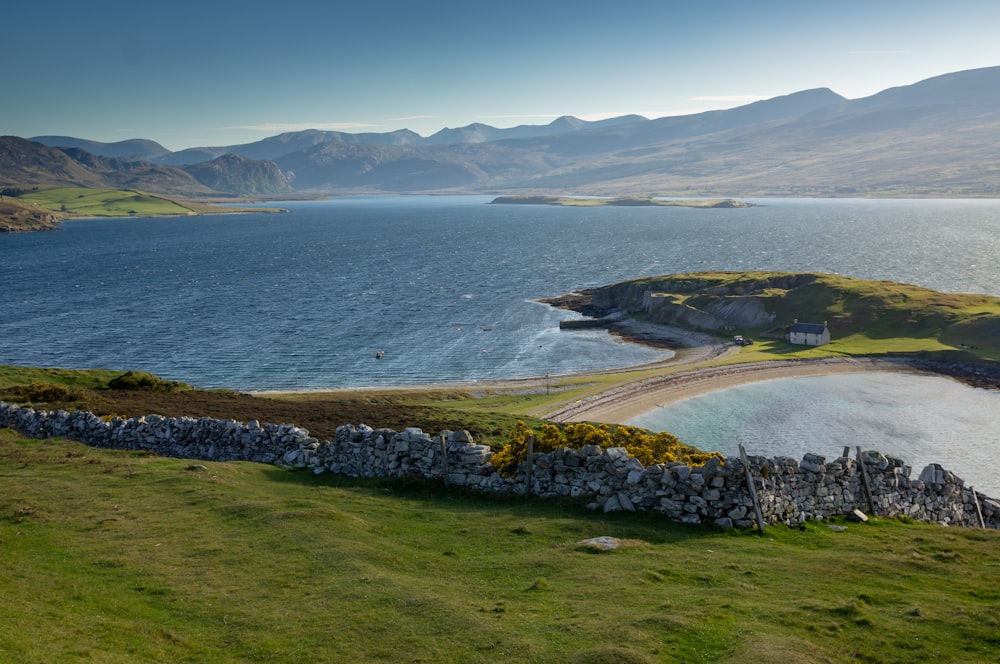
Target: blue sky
188 73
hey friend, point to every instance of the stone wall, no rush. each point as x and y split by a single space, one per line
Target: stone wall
790 491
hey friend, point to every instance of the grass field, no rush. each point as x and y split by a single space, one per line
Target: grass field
124 557
105 202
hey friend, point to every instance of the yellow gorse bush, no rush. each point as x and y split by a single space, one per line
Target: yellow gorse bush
648 448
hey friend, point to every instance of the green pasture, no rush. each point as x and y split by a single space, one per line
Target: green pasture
113 556
105 202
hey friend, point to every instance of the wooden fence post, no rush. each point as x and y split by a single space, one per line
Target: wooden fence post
529 460
979 512
753 489
866 483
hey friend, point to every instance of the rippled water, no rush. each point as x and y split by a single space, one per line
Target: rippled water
445 286
920 419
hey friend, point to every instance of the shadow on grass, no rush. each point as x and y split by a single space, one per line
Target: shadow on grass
434 494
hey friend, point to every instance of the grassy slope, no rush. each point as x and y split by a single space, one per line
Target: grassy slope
17 215
25 213
118 556
868 317
320 412
104 202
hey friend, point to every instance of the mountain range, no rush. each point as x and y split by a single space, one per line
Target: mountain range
936 137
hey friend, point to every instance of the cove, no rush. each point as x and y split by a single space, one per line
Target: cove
919 419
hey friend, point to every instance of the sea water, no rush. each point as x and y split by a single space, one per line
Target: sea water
446 287
920 419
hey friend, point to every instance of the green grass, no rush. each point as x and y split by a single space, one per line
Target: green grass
105 202
121 556
11 376
865 317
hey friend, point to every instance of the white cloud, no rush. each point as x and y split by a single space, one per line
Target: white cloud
877 52
300 126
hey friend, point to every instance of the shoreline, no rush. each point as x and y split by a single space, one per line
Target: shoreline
620 404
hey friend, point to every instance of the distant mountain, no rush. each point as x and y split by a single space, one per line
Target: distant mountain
235 174
140 175
136 148
481 133
25 164
934 138
288 143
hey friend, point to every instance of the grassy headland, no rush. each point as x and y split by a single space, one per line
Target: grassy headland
43 209
864 317
631 201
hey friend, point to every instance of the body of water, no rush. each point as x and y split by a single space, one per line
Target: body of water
444 286
920 419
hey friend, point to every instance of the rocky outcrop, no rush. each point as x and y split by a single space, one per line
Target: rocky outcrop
709 301
789 491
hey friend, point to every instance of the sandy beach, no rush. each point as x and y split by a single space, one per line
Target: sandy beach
624 402
627 401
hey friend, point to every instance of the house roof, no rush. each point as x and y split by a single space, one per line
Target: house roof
807 328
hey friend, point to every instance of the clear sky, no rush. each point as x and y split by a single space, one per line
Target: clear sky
222 72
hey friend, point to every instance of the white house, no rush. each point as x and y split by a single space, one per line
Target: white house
809 334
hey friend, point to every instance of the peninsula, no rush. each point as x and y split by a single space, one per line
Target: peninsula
631 201
711 316
44 208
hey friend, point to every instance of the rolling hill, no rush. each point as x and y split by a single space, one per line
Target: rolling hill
27 164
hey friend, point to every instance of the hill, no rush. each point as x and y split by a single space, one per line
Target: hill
135 148
864 317
25 165
111 555
18 216
235 174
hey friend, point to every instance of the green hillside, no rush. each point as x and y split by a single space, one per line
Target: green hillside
113 556
864 317
104 202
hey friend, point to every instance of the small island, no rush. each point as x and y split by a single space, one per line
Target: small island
631 201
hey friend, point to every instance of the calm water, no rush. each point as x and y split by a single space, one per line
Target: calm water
445 286
920 419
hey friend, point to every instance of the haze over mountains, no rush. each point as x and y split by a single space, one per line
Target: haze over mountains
935 137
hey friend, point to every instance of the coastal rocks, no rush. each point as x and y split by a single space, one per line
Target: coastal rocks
789 491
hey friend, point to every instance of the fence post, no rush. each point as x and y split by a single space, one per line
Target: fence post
444 459
865 482
979 512
753 489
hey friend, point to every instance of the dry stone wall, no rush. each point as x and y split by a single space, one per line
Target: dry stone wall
790 491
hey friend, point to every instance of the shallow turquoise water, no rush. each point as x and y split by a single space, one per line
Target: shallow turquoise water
920 419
